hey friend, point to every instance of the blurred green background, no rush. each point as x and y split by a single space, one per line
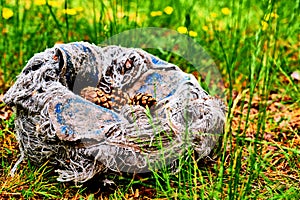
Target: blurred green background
255 45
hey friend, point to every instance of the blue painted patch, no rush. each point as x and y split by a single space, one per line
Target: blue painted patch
109 121
58 112
78 106
63 129
70 132
60 119
98 132
153 78
187 78
66 130
184 79
157 61
80 101
58 108
171 93
84 48
71 114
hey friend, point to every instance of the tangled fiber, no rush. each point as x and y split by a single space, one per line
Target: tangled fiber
148 111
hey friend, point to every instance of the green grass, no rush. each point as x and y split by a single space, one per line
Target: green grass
256 48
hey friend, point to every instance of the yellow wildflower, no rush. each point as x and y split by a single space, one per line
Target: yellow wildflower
120 14
156 13
267 17
193 33
70 11
272 14
27 5
4 31
54 3
168 10
205 28
226 11
182 30
7 13
213 14
40 2
264 25
79 9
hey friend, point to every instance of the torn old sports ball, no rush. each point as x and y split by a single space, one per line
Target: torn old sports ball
87 109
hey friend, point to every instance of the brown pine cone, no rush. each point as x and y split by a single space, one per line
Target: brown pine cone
97 96
142 99
119 97
116 99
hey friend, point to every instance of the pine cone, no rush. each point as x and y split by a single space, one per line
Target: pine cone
120 98
114 101
117 99
142 99
97 96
